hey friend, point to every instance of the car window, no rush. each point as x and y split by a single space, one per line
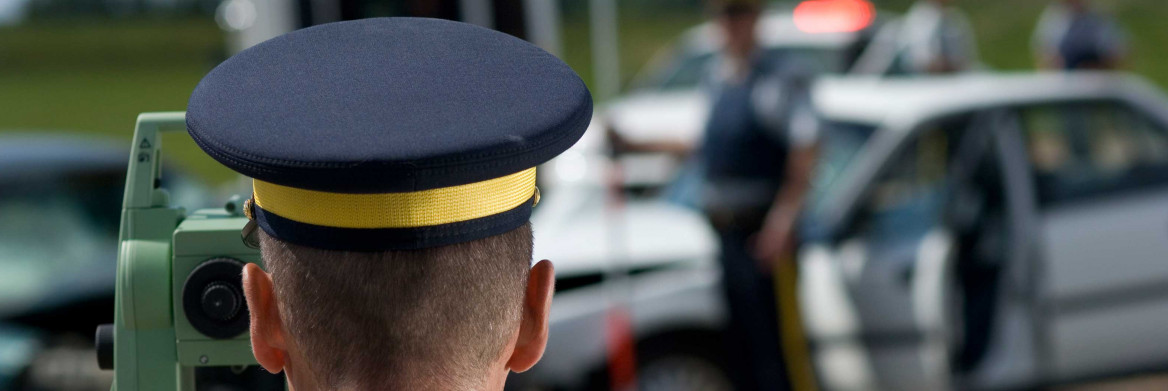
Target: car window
686 73
818 60
909 195
689 69
842 141
1085 149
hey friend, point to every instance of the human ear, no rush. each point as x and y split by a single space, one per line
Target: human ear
533 329
267 329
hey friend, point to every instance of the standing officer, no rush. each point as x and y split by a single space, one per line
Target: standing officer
757 153
758 150
393 164
1071 34
932 38
937 38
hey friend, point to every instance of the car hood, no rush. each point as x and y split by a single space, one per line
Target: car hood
675 116
18 348
582 233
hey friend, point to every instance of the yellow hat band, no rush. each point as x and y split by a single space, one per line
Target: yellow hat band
397 210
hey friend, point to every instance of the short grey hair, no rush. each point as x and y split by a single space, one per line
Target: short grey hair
387 318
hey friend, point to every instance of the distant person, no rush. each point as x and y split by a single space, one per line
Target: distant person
933 37
1071 34
758 149
756 156
937 38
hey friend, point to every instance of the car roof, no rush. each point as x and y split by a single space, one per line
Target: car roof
876 101
22 152
776 29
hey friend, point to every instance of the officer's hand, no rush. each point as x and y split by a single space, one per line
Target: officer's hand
775 241
617 143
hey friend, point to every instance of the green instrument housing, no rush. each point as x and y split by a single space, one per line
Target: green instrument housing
155 346
205 235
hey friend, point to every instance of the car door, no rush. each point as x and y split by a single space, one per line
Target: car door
877 297
1100 170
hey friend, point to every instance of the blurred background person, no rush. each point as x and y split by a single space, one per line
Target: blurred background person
758 150
755 155
933 37
937 38
1073 34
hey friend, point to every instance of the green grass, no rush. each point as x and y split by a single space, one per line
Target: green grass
95 75
1004 28
642 35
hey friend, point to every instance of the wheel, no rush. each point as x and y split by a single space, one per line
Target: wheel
681 373
682 362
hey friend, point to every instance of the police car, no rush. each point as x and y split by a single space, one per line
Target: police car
988 231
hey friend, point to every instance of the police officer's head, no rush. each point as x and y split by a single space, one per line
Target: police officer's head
394 166
1075 5
455 317
738 20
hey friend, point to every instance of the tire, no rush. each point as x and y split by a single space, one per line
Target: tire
682 362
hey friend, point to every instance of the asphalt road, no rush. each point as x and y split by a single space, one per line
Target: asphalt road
1141 383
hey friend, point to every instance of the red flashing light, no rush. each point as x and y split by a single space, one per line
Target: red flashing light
834 16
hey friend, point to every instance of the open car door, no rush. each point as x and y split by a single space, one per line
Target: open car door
879 293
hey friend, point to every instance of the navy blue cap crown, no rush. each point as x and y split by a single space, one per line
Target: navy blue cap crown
387 105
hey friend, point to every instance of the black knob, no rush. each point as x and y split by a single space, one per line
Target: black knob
221 301
103 341
212 298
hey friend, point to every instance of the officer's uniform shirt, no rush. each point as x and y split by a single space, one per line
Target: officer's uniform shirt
1080 39
755 120
931 32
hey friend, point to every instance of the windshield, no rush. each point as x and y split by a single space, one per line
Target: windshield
58 234
841 143
54 230
686 71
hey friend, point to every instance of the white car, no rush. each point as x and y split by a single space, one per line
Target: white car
988 231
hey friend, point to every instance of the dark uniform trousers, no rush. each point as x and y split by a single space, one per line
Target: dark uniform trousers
753 333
